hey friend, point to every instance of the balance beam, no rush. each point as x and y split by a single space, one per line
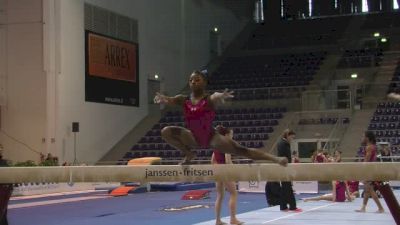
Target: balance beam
190 173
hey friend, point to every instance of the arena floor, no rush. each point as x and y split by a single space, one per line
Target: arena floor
97 208
318 213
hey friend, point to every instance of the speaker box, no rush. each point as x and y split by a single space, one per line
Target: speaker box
75 127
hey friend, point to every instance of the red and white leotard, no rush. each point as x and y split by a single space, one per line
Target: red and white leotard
199 120
340 191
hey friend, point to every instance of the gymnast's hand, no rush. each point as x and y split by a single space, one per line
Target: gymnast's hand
160 99
221 96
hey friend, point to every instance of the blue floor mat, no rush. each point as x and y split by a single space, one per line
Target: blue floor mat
140 209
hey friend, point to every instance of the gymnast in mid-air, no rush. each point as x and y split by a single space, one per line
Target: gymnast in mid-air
199 114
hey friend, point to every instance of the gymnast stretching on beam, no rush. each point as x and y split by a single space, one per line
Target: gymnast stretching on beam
199 113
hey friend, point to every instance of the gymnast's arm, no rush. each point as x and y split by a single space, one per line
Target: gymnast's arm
176 100
220 97
349 197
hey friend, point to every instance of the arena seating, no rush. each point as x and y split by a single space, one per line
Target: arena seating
318 31
361 58
395 84
264 76
385 123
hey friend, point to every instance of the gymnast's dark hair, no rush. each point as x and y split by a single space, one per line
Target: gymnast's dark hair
203 73
371 136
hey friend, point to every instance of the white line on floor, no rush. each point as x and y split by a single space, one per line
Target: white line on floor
296 214
54 194
51 202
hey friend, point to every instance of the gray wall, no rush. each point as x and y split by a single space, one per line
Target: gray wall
45 93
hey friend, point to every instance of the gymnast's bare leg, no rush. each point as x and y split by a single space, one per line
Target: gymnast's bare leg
182 139
229 146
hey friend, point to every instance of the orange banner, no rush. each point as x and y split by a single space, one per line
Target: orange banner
112 59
